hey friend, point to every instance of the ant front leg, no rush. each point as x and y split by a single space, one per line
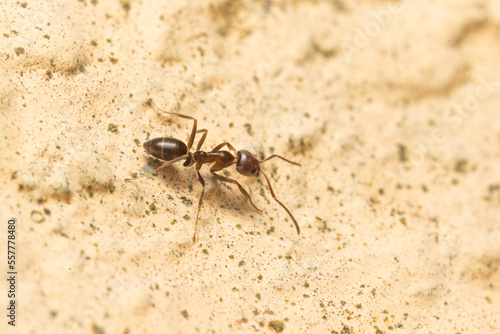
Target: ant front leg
229 146
228 180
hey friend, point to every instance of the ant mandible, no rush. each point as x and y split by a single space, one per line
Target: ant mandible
172 150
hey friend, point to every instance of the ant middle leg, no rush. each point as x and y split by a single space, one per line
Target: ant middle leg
200 178
228 180
195 122
162 166
200 142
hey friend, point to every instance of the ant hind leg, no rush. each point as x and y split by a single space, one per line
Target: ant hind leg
195 122
157 169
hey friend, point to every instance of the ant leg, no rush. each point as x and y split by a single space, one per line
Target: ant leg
198 176
284 207
162 166
205 131
243 191
195 122
218 147
278 156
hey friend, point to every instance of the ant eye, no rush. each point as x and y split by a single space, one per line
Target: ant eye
253 171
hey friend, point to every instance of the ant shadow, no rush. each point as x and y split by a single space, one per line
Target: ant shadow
229 197
217 194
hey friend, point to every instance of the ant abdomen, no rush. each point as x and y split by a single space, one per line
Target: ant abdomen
165 148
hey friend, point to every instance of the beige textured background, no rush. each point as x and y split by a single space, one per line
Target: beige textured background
391 107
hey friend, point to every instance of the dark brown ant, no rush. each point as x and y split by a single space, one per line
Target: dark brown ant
172 150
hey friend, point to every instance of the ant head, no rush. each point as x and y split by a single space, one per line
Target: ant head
247 164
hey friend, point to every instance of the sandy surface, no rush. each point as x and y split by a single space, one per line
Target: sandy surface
391 107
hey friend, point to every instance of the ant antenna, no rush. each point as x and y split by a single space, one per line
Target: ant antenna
274 196
279 156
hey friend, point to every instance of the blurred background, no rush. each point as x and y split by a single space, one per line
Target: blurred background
391 107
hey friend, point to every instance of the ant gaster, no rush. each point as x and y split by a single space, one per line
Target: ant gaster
172 150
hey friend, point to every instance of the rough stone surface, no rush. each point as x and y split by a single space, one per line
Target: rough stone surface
390 107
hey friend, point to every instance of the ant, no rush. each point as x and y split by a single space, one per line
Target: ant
172 150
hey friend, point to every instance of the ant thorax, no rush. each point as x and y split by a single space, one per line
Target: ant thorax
200 156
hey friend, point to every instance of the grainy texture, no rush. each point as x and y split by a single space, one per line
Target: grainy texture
391 107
